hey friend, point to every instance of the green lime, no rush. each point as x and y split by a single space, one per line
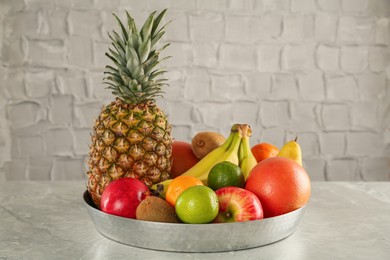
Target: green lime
225 174
197 205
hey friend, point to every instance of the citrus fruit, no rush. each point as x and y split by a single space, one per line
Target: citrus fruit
197 205
263 151
225 174
178 185
281 185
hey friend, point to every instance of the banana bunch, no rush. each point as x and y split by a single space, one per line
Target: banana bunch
235 149
246 158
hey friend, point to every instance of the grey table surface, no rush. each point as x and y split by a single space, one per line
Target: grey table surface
48 220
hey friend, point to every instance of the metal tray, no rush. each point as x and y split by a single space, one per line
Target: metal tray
193 237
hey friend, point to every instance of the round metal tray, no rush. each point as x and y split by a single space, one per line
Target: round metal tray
193 237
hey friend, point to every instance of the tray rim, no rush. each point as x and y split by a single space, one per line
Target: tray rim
285 225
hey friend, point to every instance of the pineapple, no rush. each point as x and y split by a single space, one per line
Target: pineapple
131 136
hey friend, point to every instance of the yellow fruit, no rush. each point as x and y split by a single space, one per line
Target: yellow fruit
247 159
291 150
197 205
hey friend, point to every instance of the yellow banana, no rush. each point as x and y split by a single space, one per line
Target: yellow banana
231 155
199 168
241 153
248 161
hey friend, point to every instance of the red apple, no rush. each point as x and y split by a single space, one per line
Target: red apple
122 197
237 205
182 158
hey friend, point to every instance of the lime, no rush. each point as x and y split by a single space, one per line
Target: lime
197 205
225 174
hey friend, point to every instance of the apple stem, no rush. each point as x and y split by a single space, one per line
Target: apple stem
228 215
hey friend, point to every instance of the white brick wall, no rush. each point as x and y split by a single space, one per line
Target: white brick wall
317 69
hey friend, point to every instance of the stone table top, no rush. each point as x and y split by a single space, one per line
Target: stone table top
48 220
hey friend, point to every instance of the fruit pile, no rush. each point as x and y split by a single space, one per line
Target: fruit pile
136 170
224 184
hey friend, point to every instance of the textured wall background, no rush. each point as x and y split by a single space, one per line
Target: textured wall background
316 69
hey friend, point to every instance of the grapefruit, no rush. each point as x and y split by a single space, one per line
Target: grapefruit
281 185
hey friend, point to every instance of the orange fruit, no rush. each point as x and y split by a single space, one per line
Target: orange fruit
281 185
263 151
178 185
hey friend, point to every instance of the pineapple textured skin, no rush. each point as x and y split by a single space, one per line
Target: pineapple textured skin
129 141
131 136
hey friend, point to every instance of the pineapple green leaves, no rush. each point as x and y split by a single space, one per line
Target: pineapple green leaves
135 75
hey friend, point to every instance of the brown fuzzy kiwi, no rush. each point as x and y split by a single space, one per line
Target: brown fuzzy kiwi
204 142
156 209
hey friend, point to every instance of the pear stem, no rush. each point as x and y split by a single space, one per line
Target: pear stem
296 138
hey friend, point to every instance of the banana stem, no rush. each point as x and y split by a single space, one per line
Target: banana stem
247 160
245 130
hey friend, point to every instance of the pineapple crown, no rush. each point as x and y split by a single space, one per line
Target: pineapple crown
136 79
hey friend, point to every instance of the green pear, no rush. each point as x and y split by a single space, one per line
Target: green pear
291 150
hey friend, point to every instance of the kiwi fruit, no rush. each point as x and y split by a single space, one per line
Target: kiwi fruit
204 142
156 209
